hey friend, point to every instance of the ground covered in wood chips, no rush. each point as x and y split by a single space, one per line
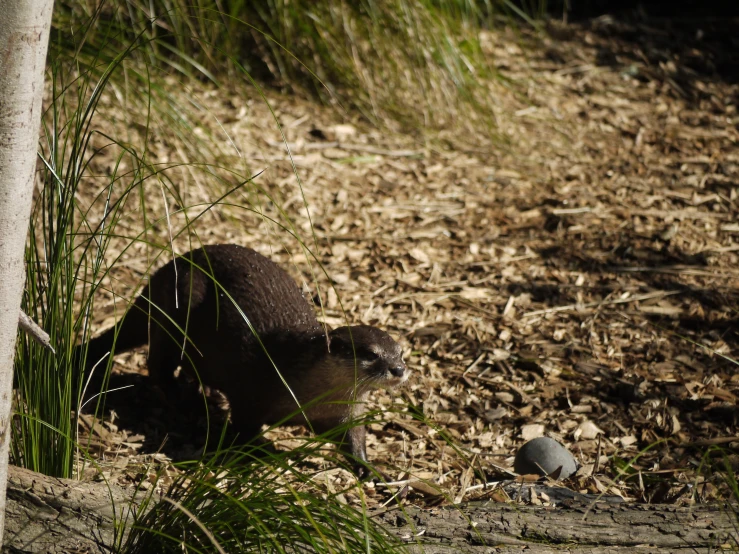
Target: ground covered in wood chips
576 278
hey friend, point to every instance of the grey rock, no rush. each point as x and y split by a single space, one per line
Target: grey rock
543 456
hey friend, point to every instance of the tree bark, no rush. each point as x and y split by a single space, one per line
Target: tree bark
50 515
24 39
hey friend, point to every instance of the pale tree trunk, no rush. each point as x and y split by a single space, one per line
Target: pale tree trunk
24 38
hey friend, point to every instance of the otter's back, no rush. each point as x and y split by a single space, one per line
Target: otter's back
265 292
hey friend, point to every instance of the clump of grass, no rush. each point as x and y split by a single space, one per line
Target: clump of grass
254 500
64 264
407 65
416 63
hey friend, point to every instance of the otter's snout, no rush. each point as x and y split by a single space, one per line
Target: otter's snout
397 370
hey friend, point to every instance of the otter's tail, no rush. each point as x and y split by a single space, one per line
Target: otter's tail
131 331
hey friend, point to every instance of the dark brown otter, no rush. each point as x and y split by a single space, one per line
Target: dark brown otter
239 323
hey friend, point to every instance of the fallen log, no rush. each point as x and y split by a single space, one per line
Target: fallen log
579 525
51 515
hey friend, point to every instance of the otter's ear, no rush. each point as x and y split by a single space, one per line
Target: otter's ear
340 345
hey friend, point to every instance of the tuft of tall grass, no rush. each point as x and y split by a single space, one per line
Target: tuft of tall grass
64 267
254 500
409 65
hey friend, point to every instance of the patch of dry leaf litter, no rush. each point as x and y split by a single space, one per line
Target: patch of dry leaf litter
578 282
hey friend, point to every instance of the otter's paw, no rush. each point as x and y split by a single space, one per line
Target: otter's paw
368 472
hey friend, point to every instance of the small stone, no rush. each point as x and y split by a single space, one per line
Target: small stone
544 456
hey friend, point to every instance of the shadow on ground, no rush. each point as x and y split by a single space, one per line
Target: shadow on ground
678 47
180 424
696 315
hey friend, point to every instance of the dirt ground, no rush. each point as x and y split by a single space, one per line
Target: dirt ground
575 278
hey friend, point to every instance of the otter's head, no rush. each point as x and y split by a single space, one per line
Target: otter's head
371 352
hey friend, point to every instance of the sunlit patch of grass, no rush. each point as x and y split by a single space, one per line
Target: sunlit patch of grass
406 65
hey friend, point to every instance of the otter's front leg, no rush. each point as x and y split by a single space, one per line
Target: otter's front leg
354 447
356 441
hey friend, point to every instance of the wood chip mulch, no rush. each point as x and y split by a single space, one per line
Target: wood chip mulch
575 278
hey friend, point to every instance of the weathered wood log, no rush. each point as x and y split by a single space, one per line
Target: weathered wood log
52 515
576 526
